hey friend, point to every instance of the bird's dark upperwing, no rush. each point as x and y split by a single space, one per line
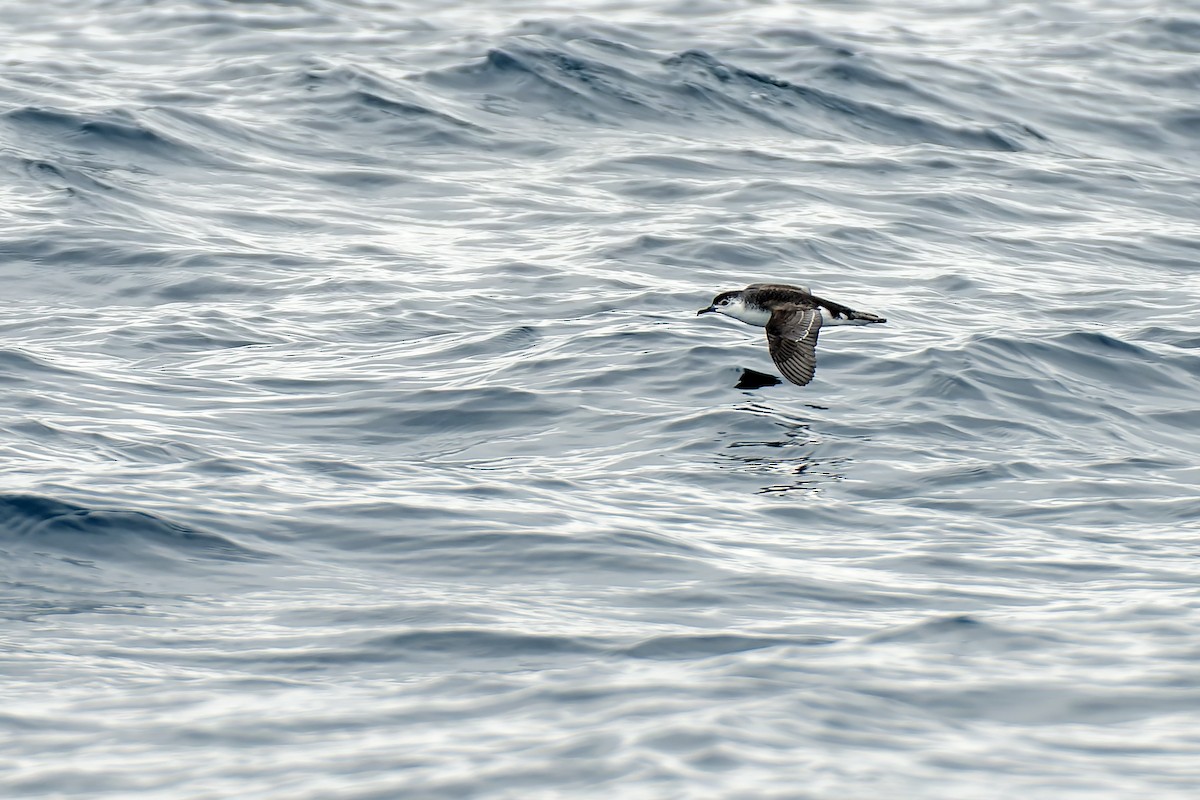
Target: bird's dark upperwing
770 294
792 338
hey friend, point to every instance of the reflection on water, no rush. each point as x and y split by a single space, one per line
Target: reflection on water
790 458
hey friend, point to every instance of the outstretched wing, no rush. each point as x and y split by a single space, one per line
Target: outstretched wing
792 338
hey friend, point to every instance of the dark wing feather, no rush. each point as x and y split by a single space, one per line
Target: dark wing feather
792 338
772 294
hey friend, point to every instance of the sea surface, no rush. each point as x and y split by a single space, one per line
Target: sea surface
360 439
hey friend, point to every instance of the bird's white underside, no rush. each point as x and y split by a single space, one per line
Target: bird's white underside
752 315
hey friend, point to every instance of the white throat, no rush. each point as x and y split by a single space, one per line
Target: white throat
751 315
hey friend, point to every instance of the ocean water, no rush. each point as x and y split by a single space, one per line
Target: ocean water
360 439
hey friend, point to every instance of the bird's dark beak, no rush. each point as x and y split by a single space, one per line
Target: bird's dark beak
708 310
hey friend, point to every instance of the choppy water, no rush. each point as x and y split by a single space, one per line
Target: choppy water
360 440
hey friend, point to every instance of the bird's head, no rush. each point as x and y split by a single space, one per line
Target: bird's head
723 303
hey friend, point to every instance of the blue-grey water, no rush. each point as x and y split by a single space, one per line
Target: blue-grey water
360 439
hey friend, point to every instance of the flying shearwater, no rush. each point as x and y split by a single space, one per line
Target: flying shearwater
793 317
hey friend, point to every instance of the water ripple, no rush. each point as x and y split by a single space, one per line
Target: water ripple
361 439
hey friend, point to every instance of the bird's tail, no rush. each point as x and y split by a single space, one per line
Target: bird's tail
838 314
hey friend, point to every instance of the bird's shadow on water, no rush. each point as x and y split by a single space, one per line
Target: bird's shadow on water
753 379
789 455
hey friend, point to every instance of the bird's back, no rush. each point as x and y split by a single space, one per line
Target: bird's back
768 295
